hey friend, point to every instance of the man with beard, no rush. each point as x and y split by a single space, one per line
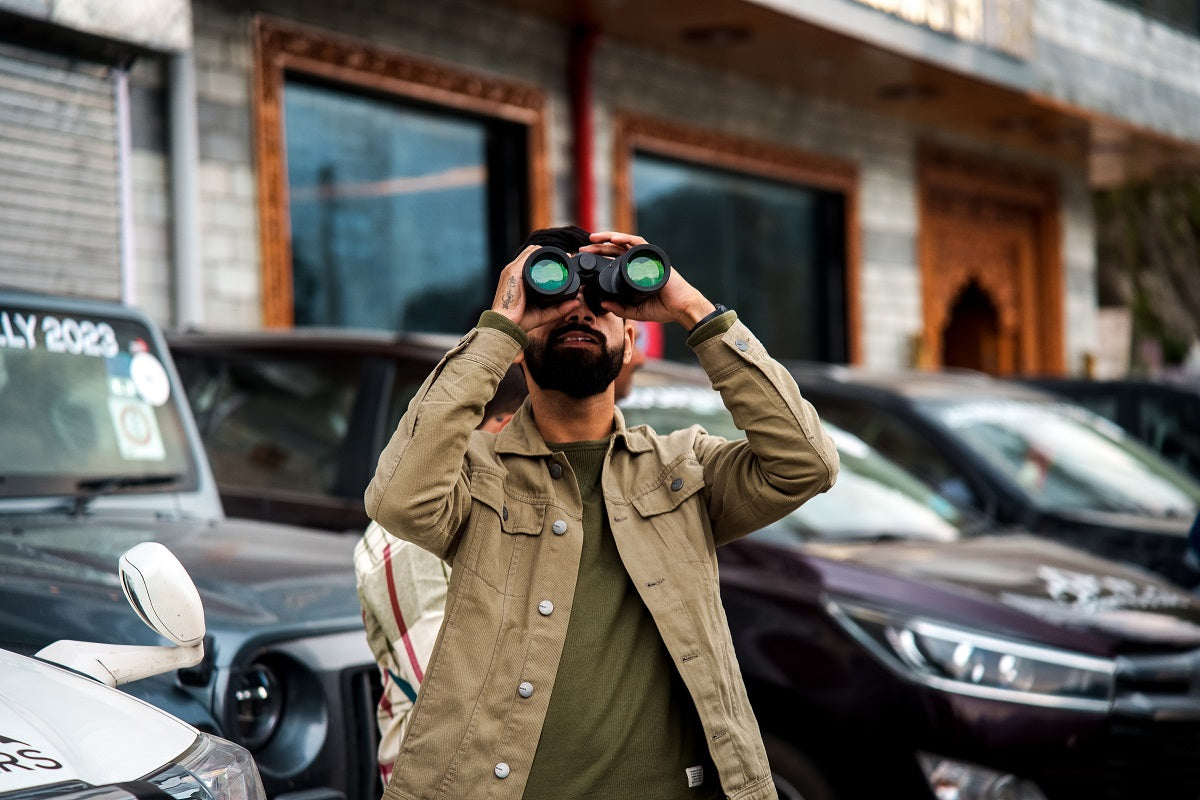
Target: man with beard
584 652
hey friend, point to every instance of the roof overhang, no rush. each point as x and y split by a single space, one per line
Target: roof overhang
851 53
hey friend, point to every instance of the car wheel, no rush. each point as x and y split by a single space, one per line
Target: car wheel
796 777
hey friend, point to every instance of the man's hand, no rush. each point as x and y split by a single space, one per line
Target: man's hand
678 301
510 297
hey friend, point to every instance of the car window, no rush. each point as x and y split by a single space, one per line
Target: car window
1170 424
273 422
86 403
1102 400
1064 457
898 441
873 497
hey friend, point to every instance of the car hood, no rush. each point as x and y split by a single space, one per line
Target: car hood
58 577
56 726
1019 574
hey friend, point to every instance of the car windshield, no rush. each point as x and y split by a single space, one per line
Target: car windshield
873 498
86 407
1067 458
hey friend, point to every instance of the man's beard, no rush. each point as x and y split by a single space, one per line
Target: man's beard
576 372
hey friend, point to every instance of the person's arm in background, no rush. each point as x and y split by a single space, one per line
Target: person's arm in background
402 589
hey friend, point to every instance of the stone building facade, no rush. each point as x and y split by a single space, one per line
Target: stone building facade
963 158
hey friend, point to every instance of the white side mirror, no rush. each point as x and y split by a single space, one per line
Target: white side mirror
163 595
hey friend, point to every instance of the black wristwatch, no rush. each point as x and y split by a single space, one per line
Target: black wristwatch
716 312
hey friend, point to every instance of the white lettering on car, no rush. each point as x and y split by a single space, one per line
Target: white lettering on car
24 335
66 335
27 326
79 337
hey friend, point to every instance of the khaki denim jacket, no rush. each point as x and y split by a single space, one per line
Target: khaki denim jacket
507 513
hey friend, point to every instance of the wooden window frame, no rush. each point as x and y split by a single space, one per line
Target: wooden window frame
636 132
281 47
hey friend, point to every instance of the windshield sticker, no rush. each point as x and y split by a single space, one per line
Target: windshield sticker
122 387
57 334
17 757
150 379
136 427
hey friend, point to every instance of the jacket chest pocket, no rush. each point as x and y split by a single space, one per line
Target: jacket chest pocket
502 536
674 507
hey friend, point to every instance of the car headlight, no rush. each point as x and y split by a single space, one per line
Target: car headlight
975 663
211 769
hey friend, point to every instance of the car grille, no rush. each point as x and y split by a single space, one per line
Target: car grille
361 687
1162 688
1153 746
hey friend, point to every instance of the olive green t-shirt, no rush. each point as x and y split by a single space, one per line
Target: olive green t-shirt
620 722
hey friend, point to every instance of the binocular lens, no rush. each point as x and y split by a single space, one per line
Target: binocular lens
645 271
549 274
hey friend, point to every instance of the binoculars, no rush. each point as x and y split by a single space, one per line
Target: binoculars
552 276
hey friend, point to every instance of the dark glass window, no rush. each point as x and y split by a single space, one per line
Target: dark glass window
400 214
769 249
1182 14
1170 423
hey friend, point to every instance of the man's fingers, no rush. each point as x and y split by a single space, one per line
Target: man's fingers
622 240
536 316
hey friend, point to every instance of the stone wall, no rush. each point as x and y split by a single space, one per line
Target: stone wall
482 37
1113 60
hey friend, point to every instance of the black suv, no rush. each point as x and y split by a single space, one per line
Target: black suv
892 646
1020 456
1164 413
100 453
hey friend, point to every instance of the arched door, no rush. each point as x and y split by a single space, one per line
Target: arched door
990 268
971 336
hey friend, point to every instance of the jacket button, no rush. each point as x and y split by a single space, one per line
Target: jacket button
742 344
504 513
545 608
525 689
676 484
502 770
559 527
556 471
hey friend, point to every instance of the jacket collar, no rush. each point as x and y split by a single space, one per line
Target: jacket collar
520 436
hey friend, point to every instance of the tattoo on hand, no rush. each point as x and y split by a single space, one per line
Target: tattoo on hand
508 294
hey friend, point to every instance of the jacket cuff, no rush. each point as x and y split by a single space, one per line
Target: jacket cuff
714 327
729 349
497 321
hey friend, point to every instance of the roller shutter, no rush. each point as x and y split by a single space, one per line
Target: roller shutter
59 221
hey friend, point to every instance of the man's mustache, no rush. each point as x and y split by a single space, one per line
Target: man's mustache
575 327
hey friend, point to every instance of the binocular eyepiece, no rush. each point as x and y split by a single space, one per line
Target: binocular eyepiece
552 276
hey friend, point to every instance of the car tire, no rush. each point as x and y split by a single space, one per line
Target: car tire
796 777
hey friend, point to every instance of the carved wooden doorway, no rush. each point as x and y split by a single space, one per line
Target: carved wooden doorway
971 337
990 266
